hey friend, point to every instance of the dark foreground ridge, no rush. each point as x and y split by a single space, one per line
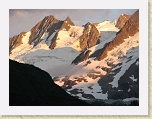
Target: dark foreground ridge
31 86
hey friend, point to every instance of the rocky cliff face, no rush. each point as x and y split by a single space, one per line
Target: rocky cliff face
129 29
65 25
122 20
126 86
47 31
129 25
16 41
90 36
81 57
43 26
48 27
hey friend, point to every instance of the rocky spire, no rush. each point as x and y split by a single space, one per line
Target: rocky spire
90 36
38 30
122 20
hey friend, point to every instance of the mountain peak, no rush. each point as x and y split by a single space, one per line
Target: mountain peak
15 41
67 23
129 29
68 20
49 16
88 23
122 20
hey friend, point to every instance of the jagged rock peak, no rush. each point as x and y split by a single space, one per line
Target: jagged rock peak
15 41
49 18
63 25
69 21
87 24
122 20
38 30
130 28
90 36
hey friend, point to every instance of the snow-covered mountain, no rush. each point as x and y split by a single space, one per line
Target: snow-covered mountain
94 61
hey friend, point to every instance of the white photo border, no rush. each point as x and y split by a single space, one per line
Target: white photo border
142 109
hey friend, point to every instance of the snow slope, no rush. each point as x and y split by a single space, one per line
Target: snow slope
92 72
42 57
70 38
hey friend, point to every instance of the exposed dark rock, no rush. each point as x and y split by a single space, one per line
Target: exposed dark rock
99 51
69 83
56 78
41 27
75 91
106 69
67 24
81 57
64 25
88 62
127 88
31 86
122 20
88 96
90 36
15 41
105 80
94 76
125 82
50 25
82 79
90 87
53 44
130 28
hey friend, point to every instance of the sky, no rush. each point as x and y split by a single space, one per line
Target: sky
24 19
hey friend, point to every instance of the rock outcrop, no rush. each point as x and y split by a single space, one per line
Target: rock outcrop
126 86
122 20
16 41
82 57
130 28
90 36
64 25
41 27
49 25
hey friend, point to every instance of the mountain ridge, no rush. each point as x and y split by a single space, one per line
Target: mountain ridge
89 61
31 86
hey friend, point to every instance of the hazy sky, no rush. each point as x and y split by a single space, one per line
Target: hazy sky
24 19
